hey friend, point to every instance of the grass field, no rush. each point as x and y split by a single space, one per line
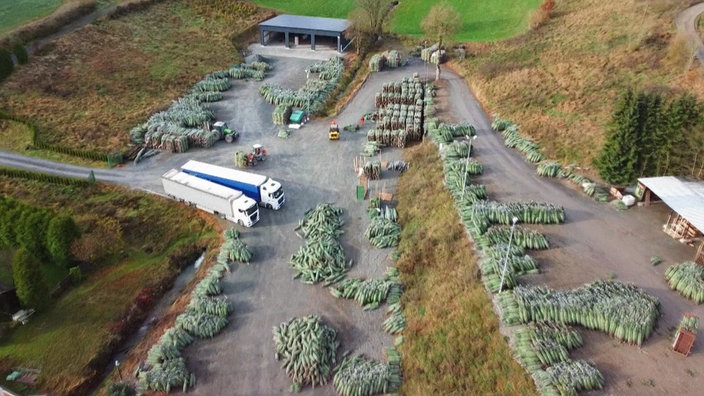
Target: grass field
329 9
559 82
482 20
92 86
16 12
65 339
452 345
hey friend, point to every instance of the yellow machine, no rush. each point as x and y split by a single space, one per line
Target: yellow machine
334 132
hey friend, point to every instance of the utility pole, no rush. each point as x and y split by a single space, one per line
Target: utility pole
466 165
425 47
307 95
508 250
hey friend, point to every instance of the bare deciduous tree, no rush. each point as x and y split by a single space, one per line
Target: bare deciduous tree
442 22
368 21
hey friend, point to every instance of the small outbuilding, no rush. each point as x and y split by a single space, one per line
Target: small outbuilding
304 29
686 200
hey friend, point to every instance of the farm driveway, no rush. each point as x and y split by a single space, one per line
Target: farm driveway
686 23
596 242
312 169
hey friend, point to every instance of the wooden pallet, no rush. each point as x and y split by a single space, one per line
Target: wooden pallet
358 164
386 196
684 341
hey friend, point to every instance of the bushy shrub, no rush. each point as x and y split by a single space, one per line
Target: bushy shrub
60 234
29 284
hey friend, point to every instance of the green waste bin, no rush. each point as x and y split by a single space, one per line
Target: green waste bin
360 192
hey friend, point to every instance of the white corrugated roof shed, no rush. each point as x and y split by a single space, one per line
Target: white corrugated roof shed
685 198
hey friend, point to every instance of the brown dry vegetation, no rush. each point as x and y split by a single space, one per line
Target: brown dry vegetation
89 88
452 345
559 81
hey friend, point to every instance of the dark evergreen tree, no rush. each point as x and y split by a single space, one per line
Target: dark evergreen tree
684 119
10 221
7 239
29 283
651 132
651 136
31 231
60 234
619 157
6 64
694 165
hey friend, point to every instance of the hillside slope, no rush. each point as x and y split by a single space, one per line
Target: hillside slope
559 81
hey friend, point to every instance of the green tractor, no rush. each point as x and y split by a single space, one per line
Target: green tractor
230 135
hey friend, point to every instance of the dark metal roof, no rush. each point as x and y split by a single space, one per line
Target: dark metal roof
306 23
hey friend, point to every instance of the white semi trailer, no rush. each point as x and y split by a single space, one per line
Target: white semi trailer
266 191
222 201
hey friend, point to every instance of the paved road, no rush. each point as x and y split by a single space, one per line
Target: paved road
686 23
20 161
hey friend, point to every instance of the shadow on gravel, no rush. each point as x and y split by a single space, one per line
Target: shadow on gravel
236 287
262 252
239 309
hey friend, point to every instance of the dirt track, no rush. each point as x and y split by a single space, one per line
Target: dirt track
596 242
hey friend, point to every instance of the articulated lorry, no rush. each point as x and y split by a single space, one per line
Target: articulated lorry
219 200
267 192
